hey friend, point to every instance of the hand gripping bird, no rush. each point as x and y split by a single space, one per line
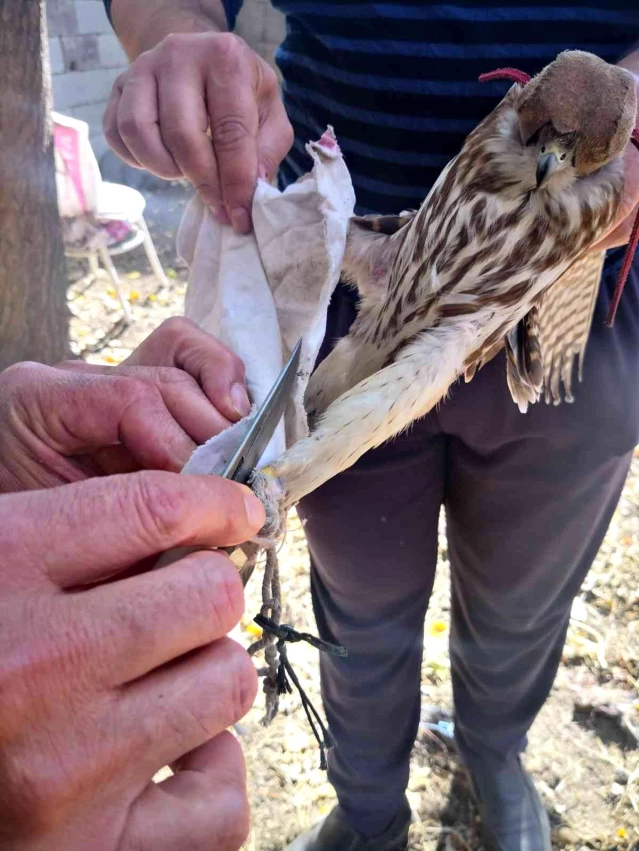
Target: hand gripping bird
496 256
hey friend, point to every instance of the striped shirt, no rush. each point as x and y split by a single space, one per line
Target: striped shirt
398 81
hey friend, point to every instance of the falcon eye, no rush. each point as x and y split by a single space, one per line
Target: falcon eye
543 149
562 157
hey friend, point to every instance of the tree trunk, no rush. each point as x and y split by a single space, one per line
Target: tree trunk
34 320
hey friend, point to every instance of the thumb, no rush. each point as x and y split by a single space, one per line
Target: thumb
203 805
94 529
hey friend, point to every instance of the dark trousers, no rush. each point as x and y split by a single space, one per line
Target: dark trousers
528 499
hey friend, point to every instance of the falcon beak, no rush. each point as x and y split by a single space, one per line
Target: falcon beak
549 159
547 165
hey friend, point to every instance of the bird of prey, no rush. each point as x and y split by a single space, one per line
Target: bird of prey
496 256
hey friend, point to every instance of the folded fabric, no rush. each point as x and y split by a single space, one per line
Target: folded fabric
260 293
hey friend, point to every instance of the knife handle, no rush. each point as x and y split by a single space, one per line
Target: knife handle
171 556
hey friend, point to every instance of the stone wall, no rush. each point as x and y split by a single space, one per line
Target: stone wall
262 27
86 57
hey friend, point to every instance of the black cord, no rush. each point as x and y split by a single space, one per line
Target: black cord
284 632
286 675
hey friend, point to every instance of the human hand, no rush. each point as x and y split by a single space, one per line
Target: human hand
163 107
63 424
108 673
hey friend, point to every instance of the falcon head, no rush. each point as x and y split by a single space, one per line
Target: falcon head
576 116
554 156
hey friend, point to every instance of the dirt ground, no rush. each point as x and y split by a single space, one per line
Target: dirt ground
582 751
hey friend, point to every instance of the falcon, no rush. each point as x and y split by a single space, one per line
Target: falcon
497 256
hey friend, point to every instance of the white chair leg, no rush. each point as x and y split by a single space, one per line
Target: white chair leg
152 254
94 266
112 273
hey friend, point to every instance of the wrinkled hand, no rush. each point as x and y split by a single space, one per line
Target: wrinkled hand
162 109
620 232
66 423
104 684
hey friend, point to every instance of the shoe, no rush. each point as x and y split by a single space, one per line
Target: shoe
333 833
512 814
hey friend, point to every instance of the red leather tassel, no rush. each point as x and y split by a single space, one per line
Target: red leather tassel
506 74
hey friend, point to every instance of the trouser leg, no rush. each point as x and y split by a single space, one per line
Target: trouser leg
372 535
518 557
529 499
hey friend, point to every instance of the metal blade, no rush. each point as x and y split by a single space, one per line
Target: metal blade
266 421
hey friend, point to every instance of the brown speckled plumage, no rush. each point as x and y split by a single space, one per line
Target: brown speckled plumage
493 256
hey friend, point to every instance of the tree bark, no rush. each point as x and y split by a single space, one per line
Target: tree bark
34 319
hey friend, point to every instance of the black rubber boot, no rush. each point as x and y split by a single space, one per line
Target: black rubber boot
334 834
512 815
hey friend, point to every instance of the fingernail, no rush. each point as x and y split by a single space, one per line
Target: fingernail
220 214
254 510
240 400
241 220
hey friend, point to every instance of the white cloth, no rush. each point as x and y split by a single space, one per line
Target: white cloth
260 293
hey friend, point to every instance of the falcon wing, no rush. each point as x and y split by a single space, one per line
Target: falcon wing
372 244
371 251
564 319
542 348
387 225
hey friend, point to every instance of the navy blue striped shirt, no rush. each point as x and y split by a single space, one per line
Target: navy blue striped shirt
398 81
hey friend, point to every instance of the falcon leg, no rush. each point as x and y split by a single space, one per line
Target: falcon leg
376 409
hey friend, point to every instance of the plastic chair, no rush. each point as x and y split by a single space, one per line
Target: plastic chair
93 207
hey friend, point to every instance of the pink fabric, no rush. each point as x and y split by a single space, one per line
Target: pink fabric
117 231
67 143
